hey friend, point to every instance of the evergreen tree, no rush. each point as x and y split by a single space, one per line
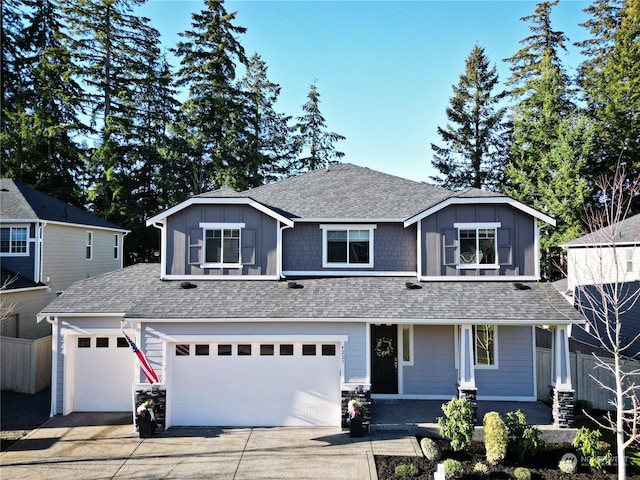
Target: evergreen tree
315 143
475 153
551 140
610 81
213 119
41 111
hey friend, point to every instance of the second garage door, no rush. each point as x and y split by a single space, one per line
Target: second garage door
255 384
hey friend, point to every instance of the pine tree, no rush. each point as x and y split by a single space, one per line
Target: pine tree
475 153
212 119
315 143
551 140
42 108
610 81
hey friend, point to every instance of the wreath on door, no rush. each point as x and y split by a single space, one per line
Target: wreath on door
384 347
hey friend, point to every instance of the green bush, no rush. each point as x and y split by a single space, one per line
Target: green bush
589 445
457 424
524 439
430 449
495 438
453 468
522 473
567 466
481 469
407 470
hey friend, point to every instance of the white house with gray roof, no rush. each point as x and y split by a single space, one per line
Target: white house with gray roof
269 305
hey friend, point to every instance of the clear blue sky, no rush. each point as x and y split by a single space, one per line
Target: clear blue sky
384 69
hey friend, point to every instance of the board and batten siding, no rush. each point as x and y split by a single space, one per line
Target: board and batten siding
394 249
515 241
514 376
433 371
64 254
184 249
355 347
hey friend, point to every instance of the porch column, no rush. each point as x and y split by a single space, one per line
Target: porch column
562 393
466 374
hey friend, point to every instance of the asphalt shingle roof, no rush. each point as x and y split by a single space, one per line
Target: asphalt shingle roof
20 202
14 281
349 191
628 232
138 292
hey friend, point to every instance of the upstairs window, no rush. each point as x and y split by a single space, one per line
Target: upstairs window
221 244
89 246
477 244
628 257
14 240
116 246
347 246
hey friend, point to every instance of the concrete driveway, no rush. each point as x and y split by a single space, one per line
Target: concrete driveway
104 446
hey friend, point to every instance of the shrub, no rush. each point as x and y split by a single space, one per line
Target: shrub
524 439
495 438
430 449
522 473
453 468
567 466
407 470
457 424
589 445
481 469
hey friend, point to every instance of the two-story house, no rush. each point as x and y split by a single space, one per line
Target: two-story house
45 246
270 303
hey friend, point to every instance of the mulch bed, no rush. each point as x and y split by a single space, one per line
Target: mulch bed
542 466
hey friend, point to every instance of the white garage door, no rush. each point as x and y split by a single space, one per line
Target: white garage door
255 384
103 373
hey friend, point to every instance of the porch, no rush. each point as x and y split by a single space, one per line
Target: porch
420 417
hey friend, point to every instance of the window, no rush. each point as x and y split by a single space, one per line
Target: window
347 246
14 240
244 349
89 246
286 349
407 344
121 342
224 350
477 243
485 345
102 342
221 243
628 256
308 349
84 342
116 246
182 350
266 349
202 350
329 350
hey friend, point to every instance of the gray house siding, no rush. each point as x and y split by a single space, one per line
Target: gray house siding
394 249
433 371
355 347
185 243
515 241
514 376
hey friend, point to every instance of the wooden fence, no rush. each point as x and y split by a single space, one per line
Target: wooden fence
583 367
25 364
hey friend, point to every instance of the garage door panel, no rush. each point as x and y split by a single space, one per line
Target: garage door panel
256 390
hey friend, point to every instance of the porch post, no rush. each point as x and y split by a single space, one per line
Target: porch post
563 393
466 374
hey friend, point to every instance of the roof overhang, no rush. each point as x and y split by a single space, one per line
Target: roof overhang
480 201
219 201
600 244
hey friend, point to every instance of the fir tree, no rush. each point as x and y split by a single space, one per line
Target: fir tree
474 154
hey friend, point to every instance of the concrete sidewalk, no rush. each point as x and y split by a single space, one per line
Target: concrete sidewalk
99 446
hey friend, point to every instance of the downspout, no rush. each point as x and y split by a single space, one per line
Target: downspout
536 245
124 234
163 248
38 254
54 364
419 248
279 249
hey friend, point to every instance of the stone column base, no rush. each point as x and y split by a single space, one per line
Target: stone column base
471 395
562 409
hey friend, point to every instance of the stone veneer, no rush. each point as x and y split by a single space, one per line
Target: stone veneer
159 398
365 399
471 395
562 410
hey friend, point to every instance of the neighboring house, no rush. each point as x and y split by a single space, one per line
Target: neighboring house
270 305
608 259
45 246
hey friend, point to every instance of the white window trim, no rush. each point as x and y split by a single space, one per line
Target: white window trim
116 246
29 240
628 259
406 363
477 226
221 226
346 227
456 341
88 243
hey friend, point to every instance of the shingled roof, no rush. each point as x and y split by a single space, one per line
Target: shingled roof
20 202
628 233
349 191
138 293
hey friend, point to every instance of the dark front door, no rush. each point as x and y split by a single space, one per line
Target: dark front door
384 359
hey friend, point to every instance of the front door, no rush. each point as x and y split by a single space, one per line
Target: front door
384 358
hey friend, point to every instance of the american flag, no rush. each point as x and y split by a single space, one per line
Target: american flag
147 369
